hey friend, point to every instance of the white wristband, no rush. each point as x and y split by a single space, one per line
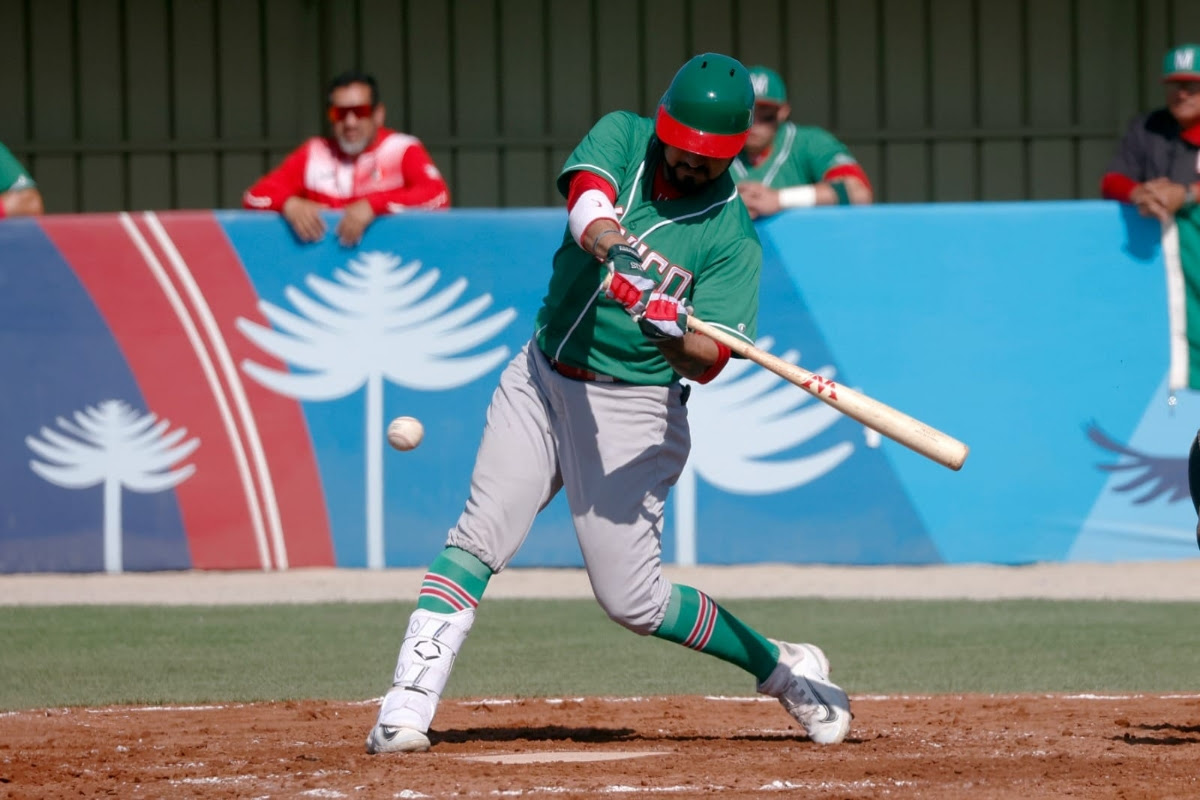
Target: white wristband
591 206
798 196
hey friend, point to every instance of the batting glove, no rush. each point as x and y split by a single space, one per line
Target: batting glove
627 281
665 318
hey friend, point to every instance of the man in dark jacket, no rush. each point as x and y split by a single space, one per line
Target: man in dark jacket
1157 166
1157 169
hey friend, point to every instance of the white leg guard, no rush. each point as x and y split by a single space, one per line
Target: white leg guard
426 658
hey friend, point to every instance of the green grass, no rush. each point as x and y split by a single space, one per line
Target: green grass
76 655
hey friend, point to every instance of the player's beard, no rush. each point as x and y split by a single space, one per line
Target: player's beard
695 179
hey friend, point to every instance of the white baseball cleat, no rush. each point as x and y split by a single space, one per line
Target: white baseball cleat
396 739
801 683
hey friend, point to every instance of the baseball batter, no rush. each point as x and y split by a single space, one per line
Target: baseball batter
593 405
785 165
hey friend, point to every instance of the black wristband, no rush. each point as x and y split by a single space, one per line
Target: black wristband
602 234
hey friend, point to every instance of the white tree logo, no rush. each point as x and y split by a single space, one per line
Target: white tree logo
373 323
114 445
737 420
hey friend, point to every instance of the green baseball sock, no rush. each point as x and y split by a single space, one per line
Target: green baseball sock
695 620
454 582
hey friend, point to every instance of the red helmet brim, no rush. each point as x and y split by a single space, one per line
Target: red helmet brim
715 145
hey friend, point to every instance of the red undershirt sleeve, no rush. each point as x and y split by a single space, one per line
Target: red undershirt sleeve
846 171
582 181
1116 186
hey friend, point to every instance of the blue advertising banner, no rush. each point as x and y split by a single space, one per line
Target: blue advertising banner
230 388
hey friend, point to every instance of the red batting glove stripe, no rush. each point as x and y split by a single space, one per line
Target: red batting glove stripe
623 291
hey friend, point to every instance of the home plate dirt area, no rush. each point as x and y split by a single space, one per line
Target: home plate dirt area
943 746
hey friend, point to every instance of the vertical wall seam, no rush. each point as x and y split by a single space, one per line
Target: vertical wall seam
452 74
976 97
1075 107
831 111
406 66
264 87
784 27
548 148
881 119
123 56
76 72
498 105
927 110
172 115
1026 89
218 121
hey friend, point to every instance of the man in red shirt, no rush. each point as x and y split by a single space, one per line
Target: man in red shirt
363 168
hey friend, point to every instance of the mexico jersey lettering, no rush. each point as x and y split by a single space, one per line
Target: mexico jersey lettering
701 248
798 156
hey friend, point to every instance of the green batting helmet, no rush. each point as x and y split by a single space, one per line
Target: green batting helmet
708 108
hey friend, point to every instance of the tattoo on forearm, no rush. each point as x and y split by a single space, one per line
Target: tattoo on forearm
601 235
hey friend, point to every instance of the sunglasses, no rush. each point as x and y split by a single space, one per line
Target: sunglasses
339 113
766 114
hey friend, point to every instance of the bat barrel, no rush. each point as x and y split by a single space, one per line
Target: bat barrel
894 424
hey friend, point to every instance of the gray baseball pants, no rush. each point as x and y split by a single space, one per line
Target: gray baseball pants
616 448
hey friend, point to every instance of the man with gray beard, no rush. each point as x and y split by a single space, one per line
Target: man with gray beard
363 168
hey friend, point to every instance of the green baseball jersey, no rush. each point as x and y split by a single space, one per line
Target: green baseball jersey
798 156
12 175
701 248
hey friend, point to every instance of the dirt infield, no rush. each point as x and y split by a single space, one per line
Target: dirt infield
941 747
938 747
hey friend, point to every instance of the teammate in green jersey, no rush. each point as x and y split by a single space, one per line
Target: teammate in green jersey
784 165
19 195
593 404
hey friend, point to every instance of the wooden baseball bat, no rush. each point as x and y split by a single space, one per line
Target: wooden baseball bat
896 425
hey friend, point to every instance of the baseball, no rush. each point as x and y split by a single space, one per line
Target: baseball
405 433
